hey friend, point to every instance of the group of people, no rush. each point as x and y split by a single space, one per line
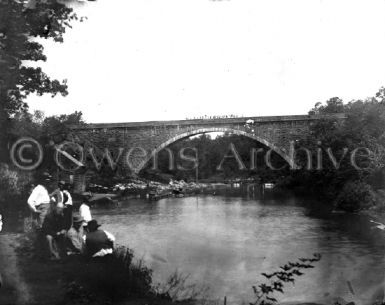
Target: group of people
211 117
67 230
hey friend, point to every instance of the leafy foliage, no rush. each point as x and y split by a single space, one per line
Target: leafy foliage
112 278
56 128
333 105
355 196
11 181
22 23
47 130
362 132
13 185
264 293
177 288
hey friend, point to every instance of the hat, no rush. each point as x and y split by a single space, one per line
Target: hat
86 194
93 225
86 197
46 175
77 218
43 177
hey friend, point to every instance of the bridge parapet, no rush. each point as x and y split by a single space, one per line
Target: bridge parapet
242 120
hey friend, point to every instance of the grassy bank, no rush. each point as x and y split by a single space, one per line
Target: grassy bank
30 278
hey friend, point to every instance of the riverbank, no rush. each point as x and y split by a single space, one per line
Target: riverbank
30 279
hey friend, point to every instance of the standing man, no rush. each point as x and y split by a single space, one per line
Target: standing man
63 199
38 203
57 194
68 206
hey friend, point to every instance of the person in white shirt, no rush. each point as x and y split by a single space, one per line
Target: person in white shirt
68 209
85 212
67 199
39 204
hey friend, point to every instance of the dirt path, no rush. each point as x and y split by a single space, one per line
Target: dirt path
15 289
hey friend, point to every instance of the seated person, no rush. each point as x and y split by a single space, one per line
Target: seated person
75 236
53 230
99 243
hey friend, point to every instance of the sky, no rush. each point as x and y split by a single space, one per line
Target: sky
143 60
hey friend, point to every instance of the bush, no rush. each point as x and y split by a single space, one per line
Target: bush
355 196
115 277
178 288
12 184
265 293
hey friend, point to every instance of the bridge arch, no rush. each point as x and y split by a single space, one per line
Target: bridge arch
184 135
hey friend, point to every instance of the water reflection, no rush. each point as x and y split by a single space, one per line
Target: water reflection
226 242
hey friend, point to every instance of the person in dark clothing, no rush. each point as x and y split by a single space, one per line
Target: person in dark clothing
68 208
54 229
99 243
63 199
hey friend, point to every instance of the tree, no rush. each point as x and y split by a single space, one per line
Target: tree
333 105
20 23
362 132
57 127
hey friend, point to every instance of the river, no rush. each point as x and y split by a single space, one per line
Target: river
225 242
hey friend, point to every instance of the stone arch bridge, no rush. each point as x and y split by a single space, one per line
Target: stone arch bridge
134 144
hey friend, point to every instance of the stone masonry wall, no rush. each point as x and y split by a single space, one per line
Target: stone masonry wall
137 141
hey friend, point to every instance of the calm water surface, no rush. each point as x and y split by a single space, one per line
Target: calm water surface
226 242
